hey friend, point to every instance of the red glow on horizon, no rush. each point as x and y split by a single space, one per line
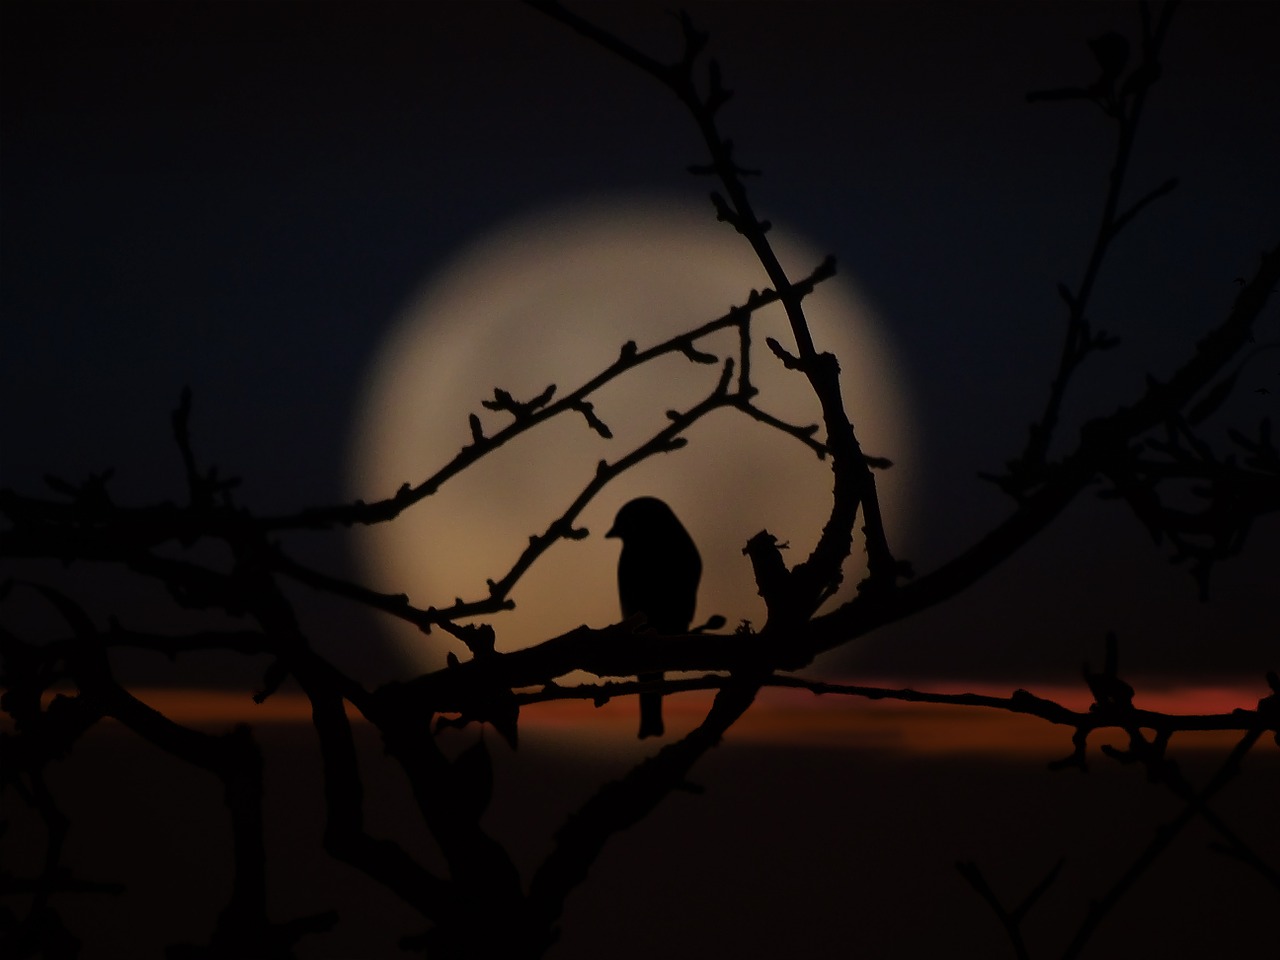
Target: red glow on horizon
780 717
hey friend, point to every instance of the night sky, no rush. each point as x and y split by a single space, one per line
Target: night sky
242 197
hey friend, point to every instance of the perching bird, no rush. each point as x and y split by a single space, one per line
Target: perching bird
658 575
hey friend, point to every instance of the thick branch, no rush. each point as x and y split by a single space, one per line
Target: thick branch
1101 441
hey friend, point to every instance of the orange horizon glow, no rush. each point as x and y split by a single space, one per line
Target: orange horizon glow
780 717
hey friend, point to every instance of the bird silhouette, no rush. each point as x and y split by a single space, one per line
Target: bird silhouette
658 573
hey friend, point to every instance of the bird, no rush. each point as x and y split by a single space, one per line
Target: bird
658 573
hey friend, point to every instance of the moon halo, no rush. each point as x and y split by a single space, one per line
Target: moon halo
551 298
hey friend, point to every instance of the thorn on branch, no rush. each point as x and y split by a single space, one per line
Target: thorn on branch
825 271
276 675
479 638
477 432
788 360
1268 710
1111 51
697 356
805 434
1039 890
588 411
695 40
561 529
725 376
1124 219
1077 757
203 487
771 574
725 213
717 94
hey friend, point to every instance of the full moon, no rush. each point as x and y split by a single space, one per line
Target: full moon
551 299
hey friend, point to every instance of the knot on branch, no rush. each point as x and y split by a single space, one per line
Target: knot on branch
502 400
477 696
1112 704
1110 693
773 579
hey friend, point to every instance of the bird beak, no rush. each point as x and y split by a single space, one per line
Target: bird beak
613 532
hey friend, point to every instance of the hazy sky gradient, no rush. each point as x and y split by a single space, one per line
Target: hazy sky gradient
241 197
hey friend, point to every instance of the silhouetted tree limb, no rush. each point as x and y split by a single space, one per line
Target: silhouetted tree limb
1124 104
479 904
620 804
813 580
629 358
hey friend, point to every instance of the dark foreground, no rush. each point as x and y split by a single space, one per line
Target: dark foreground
808 852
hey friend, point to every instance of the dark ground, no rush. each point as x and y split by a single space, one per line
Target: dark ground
790 852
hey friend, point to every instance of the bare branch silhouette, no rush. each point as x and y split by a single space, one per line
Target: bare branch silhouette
56 688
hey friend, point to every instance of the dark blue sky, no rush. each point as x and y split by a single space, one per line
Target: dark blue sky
239 197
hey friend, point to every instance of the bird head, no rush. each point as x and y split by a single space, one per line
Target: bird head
641 515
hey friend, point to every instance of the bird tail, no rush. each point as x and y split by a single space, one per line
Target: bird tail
650 708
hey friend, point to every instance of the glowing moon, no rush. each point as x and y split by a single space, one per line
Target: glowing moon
551 299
